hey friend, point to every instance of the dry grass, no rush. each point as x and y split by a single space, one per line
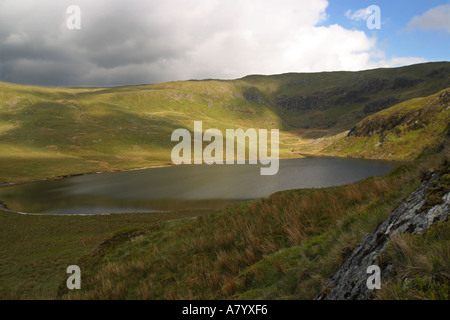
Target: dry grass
202 259
421 265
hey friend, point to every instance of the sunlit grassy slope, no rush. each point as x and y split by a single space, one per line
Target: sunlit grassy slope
54 131
47 132
401 132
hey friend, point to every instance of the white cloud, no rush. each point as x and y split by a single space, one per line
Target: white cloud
135 41
358 15
437 18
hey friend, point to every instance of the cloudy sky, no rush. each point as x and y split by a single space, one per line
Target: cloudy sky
136 41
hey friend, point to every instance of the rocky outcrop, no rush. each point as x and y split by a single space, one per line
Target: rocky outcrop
381 104
253 94
409 120
3 205
403 82
426 206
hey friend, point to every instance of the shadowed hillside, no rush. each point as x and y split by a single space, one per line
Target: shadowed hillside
337 100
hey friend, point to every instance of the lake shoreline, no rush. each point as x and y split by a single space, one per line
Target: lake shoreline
300 156
7 184
297 174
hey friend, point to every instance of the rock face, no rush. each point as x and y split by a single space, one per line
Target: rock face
412 120
414 216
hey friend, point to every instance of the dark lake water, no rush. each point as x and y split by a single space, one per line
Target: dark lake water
182 187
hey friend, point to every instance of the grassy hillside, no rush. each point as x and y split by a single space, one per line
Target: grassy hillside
421 266
401 132
47 132
335 101
285 246
282 247
246 251
35 251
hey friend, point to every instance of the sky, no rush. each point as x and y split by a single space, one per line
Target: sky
117 42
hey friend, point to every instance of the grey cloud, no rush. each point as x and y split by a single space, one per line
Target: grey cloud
136 41
115 35
437 18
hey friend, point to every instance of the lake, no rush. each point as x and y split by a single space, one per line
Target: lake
182 187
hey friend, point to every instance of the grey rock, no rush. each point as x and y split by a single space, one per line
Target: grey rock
349 282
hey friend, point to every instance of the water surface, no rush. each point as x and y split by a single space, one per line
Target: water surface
182 187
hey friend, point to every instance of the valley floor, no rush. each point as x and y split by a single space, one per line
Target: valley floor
282 247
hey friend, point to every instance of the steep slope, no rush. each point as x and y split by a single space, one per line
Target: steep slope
426 206
335 101
401 132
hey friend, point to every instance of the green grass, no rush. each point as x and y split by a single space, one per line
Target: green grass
35 251
282 247
285 246
49 132
340 99
301 271
420 264
402 132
